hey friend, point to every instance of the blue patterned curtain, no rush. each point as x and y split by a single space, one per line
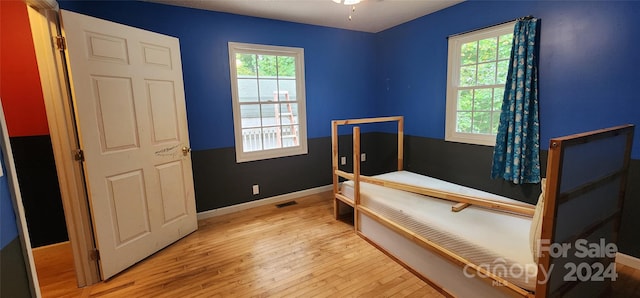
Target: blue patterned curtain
516 156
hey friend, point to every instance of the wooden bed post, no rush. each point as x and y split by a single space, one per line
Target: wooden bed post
554 169
334 163
400 143
356 176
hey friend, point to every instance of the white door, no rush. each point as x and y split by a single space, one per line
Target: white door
130 110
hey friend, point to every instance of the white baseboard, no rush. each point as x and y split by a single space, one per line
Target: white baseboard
628 260
262 202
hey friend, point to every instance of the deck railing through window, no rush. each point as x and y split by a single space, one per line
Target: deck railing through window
268 138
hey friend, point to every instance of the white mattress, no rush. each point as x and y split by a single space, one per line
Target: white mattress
488 238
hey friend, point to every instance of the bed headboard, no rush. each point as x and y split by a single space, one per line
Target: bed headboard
586 180
336 173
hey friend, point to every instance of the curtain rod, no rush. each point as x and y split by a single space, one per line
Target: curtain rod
529 17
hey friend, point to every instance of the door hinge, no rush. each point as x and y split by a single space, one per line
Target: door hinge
94 254
79 155
61 43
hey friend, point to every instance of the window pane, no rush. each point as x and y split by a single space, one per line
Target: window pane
267 66
463 122
487 49
483 100
269 114
286 66
247 89
495 122
271 136
498 94
287 85
469 53
289 113
504 46
468 76
250 115
246 65
465 100
251 140
503 71
281 96
290 136
268 89
481 122
486 73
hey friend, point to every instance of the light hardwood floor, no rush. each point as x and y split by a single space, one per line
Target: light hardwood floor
295 251
298 250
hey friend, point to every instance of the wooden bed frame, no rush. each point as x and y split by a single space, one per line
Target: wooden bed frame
585 189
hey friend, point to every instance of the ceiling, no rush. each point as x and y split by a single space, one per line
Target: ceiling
369 15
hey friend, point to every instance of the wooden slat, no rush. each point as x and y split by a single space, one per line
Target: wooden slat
521 209
344 199
459 206
344 174
594 135
367 120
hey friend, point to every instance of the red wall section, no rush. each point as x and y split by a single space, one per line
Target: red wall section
20 87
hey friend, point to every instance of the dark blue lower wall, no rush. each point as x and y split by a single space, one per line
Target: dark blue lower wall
14 281
219 181
38 180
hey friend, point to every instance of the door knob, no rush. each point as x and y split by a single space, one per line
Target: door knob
185 150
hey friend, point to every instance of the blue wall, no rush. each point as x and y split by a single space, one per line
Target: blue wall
8 228
338 63
14 281
588 64
588 80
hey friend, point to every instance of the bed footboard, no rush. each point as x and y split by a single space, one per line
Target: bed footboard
586 181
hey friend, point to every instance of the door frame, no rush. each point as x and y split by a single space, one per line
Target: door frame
45 26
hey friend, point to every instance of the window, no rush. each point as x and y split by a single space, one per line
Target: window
476 74
267 87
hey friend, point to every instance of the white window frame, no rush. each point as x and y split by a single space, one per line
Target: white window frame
298 53
453 82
